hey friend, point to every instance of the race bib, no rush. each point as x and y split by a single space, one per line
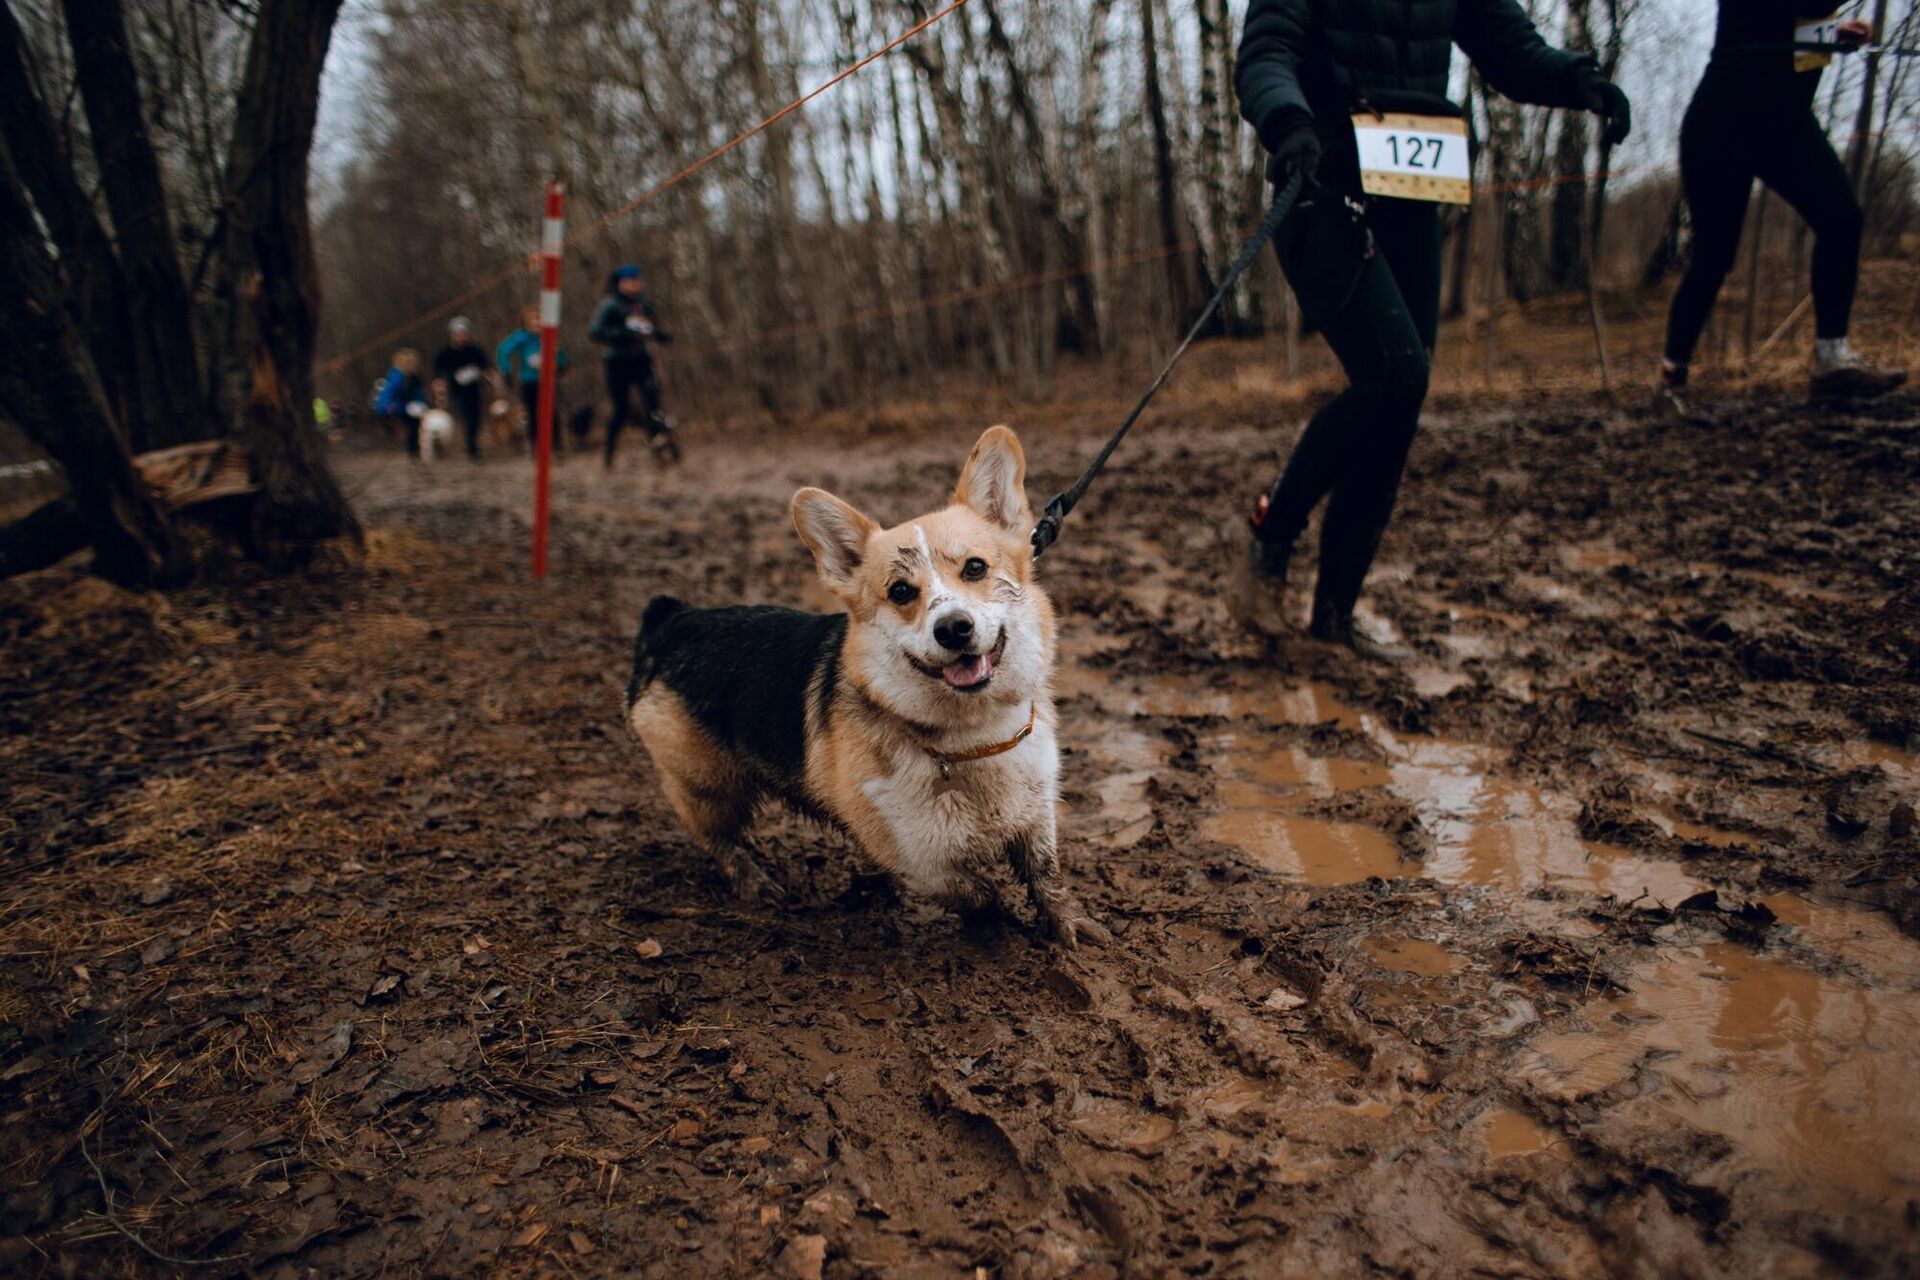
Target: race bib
467 375
1824 31
533 360
1414 157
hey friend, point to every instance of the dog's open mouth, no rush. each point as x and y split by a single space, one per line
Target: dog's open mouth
973 672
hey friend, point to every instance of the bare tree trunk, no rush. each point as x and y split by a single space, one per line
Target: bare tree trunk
1088 188
1046 168
1460 287
1216 137
535 81
972 176
1566 251
96 289
156 289
1890 109
777 228
1165 181
273 292
910 197
1863 122
1618 14
49 386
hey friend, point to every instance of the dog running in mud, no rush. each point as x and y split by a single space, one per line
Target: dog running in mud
920 721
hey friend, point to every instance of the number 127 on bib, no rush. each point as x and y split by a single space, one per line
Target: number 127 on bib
1414 157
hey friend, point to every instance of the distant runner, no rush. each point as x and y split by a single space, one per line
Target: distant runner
1752 117
403 398
518 358
1353 96
625 327
461 370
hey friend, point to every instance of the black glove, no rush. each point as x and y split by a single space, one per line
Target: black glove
1298 151
1604 99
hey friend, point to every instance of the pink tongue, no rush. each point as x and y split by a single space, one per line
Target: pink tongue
969 671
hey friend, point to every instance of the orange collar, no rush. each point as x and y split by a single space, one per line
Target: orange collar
946 760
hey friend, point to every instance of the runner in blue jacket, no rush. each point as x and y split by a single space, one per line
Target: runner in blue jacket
518 358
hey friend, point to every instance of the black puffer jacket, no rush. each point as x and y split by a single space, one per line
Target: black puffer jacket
1320 59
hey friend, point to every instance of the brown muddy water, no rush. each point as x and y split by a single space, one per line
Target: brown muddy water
1803 1062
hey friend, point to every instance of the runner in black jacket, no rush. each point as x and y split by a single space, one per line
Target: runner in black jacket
625 326
461 370
1752 117
1365 268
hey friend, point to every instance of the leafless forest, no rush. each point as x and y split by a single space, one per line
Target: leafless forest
1028 182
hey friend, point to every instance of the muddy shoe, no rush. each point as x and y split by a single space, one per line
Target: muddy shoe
665 447
1670 404
1853 377
1257 583
1335 626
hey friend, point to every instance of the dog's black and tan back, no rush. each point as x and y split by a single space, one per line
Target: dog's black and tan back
752 677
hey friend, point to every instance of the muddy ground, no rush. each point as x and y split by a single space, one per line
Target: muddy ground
344 933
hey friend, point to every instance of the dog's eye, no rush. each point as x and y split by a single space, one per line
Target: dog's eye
903 593
974 569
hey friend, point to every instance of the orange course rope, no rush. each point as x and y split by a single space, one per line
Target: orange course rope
506 273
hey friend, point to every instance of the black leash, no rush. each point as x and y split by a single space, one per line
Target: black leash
1061 505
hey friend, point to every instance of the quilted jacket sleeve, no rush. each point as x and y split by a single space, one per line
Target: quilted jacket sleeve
1267 71
1506 48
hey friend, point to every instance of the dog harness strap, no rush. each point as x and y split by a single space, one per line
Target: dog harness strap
946 760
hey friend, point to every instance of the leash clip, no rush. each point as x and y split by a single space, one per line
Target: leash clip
1048 529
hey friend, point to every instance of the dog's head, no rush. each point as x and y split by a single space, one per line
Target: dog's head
945 617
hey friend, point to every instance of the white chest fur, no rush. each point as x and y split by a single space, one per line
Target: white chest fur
938 822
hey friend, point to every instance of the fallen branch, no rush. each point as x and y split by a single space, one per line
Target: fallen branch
106 1195
1792 317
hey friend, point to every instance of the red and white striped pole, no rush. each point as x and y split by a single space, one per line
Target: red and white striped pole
552 234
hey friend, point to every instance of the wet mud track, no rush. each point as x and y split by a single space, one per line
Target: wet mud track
344 933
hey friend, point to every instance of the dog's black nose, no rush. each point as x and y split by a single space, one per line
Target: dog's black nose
954 631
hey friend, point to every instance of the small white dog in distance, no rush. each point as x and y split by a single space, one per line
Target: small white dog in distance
436 433
920 721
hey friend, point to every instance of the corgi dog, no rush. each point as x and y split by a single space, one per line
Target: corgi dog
436 433
920 721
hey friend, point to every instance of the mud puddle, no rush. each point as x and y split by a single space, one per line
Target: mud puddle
1807 1076
1804 1073
1416 956
1506 1134
1485 831
1900 765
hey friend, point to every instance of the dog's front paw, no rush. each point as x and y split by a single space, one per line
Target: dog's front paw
748 880
1067 923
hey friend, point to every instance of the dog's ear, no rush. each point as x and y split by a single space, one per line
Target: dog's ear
835 533
994 481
